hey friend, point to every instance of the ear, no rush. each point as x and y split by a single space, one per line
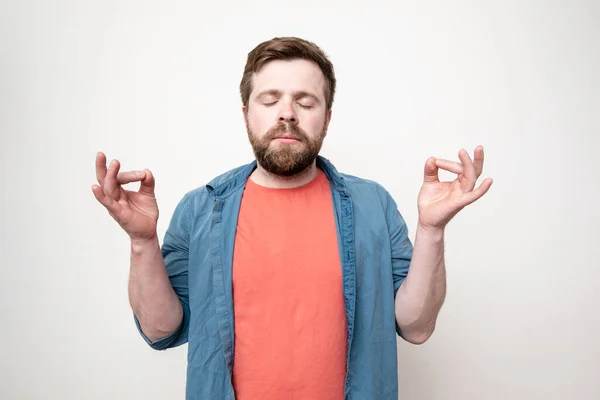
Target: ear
327 121
245 114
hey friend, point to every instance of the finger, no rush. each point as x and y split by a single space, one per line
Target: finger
110 186
129 177
467 184
105 200
476 194
431 171
148 182
100 167
451 166
478 160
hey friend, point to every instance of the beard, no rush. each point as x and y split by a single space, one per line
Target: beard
286 159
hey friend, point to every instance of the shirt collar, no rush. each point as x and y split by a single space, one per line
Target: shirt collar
226 184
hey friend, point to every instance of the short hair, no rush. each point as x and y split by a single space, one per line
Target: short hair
287 48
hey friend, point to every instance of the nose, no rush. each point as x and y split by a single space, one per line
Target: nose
288 114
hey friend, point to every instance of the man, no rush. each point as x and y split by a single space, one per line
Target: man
287 278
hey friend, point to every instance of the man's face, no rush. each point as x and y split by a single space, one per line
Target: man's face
287 117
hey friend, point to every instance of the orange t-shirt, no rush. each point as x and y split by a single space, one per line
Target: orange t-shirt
290 320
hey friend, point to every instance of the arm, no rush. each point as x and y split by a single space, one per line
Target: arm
419 276
158 291
158 283
151 295
421 295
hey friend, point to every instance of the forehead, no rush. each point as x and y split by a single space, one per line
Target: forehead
290 76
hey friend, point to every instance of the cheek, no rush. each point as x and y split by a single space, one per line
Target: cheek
315 125
260 123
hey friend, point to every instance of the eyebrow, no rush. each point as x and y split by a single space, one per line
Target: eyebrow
297 94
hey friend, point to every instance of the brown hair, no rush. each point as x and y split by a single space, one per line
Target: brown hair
287 48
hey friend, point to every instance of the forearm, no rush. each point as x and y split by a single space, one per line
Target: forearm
151 295
421 295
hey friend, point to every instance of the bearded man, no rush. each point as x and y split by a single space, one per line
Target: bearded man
287 278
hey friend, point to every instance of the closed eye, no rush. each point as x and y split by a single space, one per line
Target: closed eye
306 107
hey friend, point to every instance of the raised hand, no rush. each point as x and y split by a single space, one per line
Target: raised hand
439 202
136 212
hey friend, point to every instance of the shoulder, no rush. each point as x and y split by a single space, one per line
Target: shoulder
372 198
360 188
200 197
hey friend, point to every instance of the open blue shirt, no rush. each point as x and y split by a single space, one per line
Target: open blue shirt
375 252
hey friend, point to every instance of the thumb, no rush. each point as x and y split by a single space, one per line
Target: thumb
431 171
147 183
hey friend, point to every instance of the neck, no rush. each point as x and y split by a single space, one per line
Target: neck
262 177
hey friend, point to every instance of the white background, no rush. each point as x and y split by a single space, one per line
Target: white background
155 84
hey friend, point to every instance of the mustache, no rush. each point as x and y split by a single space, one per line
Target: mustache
291 130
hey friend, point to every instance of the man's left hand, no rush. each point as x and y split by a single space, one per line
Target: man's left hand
439 202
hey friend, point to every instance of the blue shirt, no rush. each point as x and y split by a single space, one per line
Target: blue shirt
375 252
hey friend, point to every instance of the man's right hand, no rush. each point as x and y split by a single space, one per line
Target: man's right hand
136 212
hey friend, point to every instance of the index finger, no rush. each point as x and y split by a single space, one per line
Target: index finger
100 167
469 171
478 160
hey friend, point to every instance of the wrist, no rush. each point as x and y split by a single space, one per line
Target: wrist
139 245
433 232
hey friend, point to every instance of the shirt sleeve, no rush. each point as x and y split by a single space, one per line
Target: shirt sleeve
175 252
401 246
